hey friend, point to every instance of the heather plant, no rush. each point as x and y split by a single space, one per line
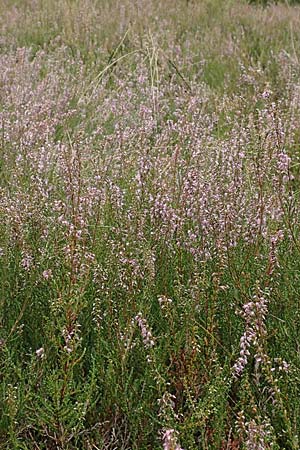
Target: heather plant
149 232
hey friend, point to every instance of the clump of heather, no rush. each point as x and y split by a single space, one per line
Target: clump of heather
169 440
149 225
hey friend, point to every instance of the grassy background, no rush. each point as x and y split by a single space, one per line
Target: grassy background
149 159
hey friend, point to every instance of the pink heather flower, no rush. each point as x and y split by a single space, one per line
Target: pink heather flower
145 331
26 262
266 94
47 274
170 441
40 352
283 162
254 314
257 435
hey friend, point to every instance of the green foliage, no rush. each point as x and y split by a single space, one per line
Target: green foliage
144 209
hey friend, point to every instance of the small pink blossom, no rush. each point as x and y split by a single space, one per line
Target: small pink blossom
47 274
40 352
170 440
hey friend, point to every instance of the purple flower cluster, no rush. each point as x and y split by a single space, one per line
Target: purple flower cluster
148 339
254 314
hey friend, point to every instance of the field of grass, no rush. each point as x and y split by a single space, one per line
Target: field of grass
149 225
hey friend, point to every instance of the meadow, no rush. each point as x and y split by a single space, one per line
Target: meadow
149 225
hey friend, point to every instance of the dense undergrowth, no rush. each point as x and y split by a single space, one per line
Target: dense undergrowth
149 232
